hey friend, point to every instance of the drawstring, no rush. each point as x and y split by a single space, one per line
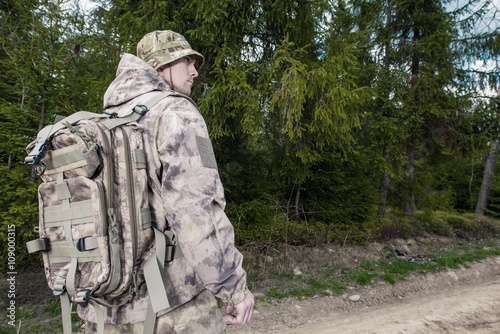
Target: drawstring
171 83
171 80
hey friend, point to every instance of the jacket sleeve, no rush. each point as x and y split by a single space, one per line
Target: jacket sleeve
194 202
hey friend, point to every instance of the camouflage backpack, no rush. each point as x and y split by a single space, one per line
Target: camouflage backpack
94 219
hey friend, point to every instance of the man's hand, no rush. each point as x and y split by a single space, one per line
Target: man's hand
241 313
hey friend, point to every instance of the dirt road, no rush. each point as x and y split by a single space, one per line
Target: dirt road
465 300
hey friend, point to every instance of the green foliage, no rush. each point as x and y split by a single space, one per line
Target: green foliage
276 293
307 103
468 226
53 307
464 253
493 209
337 195
270 225
20 214
52 64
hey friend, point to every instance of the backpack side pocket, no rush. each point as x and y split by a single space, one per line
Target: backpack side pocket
74 221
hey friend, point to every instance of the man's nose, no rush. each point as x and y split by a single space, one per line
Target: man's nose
193 72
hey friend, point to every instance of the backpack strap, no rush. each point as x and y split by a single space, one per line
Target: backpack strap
66 312
37 153
153 271
100 313
166 251
138 111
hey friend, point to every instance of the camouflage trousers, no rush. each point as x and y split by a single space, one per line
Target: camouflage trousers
200 315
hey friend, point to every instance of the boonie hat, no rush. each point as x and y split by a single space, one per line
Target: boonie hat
162 47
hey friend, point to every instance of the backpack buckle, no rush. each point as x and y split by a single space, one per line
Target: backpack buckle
37 153
80 244
169 253
40 244
59 287
82 297
140 109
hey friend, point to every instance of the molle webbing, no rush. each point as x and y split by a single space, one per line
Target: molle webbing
67 158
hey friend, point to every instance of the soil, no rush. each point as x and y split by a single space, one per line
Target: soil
466 300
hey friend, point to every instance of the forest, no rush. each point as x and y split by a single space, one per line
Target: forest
331 120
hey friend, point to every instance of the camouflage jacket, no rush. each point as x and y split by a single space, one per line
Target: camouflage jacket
185 191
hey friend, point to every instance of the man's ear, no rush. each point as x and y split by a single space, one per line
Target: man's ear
162 71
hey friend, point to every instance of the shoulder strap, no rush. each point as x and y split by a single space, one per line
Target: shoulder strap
138 111
71 119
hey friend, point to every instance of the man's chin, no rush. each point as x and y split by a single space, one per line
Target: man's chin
186 92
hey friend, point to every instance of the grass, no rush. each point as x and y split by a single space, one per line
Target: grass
306 287
39 320
361 277
389 269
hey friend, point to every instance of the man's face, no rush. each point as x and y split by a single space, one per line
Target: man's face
180 74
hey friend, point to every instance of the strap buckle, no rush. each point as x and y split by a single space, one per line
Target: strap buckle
140 109
170 253
82 297
37 153
40 244
59 287
80 244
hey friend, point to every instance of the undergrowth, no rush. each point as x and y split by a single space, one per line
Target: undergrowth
298 259
322 266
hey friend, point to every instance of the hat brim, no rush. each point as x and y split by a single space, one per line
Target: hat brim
174 56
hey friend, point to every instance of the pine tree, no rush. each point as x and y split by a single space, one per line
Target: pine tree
47 70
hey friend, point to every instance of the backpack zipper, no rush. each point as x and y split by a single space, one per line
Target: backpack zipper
131 194
114 240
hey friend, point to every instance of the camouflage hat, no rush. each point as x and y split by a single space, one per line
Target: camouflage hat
162 47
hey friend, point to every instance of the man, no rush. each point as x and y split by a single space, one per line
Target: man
186 195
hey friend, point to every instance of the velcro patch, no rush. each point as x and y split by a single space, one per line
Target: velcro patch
206 152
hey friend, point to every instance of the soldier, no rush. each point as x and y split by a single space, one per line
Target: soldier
186 195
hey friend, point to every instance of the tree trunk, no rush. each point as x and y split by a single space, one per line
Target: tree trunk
384 185
297 202
410 206
384 181
489 171
410 149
